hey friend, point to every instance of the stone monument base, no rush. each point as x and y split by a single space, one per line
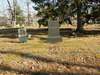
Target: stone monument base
54 39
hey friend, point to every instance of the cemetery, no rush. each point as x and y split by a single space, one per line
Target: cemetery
50 40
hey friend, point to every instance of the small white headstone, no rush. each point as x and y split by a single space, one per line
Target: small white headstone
22 34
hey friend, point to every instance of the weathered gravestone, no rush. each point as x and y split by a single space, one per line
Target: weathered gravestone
53 31
22 34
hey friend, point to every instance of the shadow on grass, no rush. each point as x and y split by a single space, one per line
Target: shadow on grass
4 68
10 35
27 72
39 33
64 32
12 41
49 60
47 40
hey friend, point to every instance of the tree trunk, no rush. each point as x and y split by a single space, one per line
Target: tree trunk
11 11
79 20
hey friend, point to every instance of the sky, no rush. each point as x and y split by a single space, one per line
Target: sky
22 3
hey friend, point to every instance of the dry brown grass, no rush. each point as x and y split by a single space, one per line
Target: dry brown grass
48 57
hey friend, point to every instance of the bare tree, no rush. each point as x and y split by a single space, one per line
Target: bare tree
28 16
12 11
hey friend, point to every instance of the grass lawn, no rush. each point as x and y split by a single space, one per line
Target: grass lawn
77 56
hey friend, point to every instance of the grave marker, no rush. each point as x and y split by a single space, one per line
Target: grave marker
22 34
53 31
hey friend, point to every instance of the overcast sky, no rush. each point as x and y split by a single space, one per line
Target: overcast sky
4 6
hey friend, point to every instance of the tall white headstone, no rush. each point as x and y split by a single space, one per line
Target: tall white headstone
53 31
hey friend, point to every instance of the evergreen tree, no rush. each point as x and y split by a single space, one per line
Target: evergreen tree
50 9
